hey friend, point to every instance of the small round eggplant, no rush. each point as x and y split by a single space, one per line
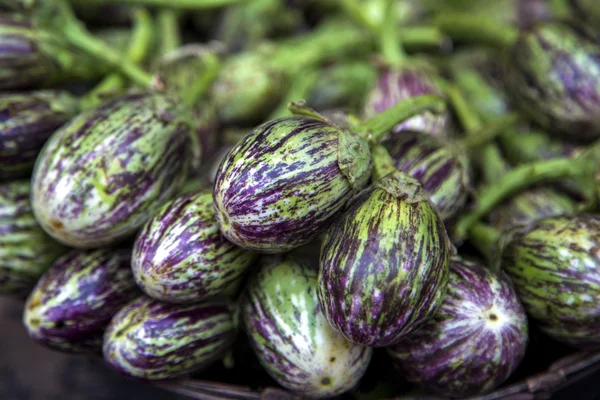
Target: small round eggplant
384 263
554 77
181 257
75 299
475 340
283 183
26 251
292 338
100 177
151 340
27 120
555 266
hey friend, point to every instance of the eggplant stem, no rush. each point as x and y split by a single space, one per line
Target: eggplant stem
486 239
78 36
519 178
376 128
486 134
139 46
168 26
477 29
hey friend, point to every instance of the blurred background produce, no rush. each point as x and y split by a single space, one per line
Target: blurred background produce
357 199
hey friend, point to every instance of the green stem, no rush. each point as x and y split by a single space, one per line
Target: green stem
141 39
419 37
485 239
174 4
192 95
78 36
383 163
354 10
300 108
476 30
391 49
490 160
469 120
484 135
519 178
168 26
375 128
331 41
301 85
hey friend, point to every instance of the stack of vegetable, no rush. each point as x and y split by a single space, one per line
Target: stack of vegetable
313 178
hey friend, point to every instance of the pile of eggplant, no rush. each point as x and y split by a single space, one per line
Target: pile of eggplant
318 180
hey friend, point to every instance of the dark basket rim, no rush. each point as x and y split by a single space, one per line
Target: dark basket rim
558 375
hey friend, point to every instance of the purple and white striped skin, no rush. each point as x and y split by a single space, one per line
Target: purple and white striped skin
475 340
26 251
151 340
444 172
100 177
396 85
180 256
23 62
384 263
290 335
281 185
75 299
553 77
27 120
555 266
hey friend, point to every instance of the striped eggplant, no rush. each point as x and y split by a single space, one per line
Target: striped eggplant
26 251
554 78
101 176
531 205
24 63
291 337
76 298
555 266
282 184
396 85
31 58
384 263
441 169
26 121
475 340
181 257
152 340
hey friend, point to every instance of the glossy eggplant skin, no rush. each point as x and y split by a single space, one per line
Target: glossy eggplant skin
555 266
180 256
283 184
27 120
443 171
26 251
553 76
395 85
151 340
476 339
384 263
101 176
291 337
76 298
